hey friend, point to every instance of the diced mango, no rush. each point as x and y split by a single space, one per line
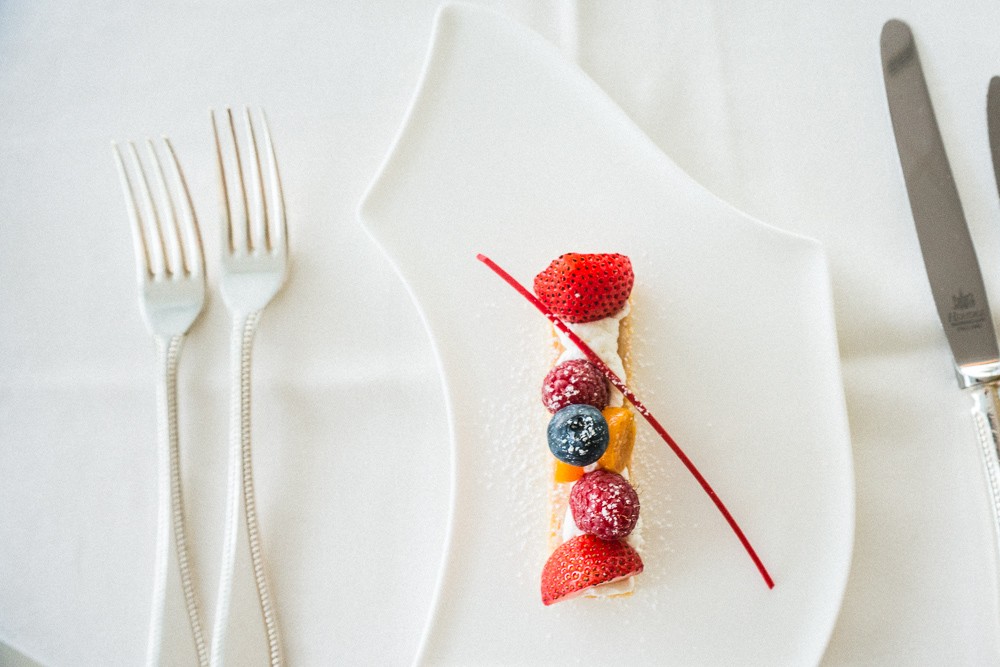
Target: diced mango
565 473
621 439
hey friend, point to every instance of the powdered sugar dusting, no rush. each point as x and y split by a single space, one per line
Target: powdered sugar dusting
513 461
653 468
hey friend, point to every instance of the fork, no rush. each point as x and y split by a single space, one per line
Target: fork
170 263
254 268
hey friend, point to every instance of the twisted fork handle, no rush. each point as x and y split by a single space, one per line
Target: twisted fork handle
170 508
241 489
986 412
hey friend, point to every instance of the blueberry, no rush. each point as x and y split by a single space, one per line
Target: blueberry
578 435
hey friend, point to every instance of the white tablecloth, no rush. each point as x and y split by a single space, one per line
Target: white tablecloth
777 107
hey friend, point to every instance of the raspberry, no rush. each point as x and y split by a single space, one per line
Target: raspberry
574 382
604 504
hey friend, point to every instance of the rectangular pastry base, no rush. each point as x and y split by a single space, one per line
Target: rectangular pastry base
559 491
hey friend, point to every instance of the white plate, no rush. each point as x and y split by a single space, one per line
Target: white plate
510 150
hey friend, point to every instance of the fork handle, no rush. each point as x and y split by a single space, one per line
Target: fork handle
241 491
986 412
170 508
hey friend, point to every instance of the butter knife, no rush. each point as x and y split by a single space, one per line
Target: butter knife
949 257
993 124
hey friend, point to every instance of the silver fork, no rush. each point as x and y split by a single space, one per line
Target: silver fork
254 268
170 263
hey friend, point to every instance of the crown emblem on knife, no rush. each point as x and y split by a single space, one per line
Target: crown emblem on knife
963 301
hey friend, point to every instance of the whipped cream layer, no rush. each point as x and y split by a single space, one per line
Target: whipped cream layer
602 337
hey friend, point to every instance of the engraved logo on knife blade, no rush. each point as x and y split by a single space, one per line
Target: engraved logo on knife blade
964 314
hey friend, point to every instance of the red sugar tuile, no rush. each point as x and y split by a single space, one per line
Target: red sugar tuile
640 408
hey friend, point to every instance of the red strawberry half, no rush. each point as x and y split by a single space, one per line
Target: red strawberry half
583 288
586 561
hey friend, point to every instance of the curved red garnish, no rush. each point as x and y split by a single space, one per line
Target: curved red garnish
640 408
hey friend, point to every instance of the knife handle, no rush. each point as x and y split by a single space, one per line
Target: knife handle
986 412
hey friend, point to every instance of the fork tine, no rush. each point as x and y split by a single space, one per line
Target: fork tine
152 219
173 247
139 245
259 235
191 232
157 244
277 238
233 240
245 235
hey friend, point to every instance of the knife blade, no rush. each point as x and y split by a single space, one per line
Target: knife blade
993 124
949 256
945 243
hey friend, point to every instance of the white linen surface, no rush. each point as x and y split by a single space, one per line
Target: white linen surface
777 107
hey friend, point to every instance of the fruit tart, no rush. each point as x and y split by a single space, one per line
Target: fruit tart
594 508
594 523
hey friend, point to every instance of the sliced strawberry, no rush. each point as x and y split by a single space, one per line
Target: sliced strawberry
585 287
586 561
